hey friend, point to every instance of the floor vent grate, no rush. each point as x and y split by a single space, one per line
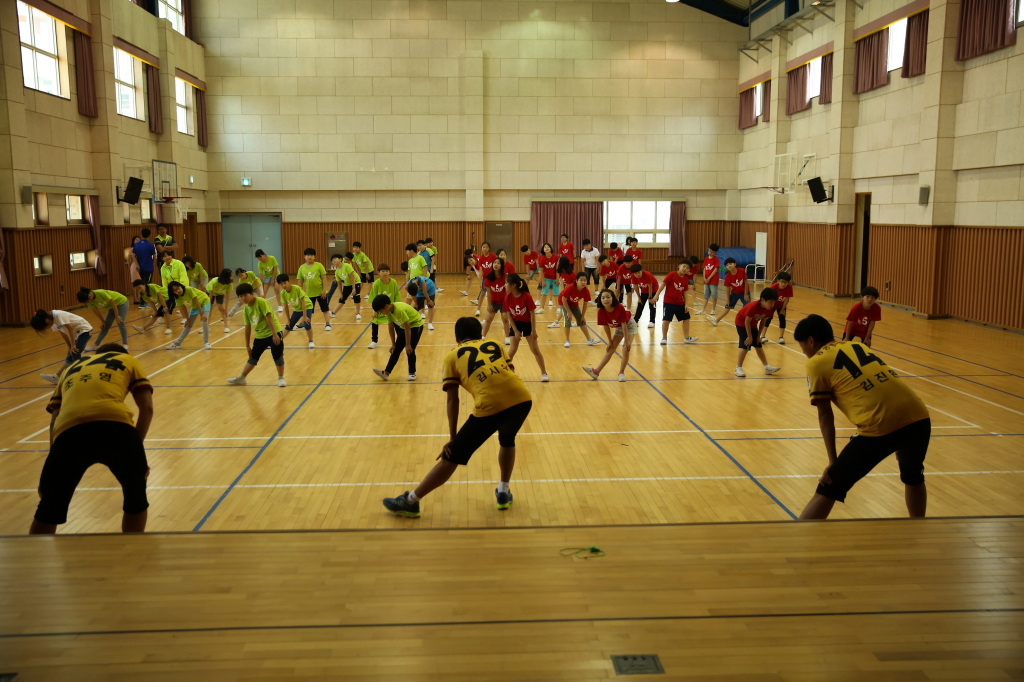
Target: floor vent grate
646 664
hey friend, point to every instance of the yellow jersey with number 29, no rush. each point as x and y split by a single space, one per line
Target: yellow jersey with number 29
869 392
482 368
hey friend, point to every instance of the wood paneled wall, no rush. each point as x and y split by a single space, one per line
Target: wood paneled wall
725 233
822 254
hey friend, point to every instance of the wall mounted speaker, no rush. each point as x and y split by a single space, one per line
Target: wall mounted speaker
922 195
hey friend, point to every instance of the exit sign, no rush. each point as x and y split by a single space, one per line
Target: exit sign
246 182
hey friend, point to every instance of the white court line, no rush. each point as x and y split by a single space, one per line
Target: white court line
624 479
34 400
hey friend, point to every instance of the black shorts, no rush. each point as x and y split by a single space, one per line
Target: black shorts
496 307
218 299
345 293
609 282
296 316
260 345
476 430
851 337
322 302
115 445
755 342
362 277
627 288
525 328
675 311
862 453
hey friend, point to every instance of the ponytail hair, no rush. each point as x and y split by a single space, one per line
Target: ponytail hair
83 294
516 281
38 321
564 265
225 276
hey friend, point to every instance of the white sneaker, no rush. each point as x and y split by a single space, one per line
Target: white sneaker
566 344
691 339
763 341
438 290
782 340
550 303
477 313
173 345
555 325
373 344
423 316
358 316
380 373
464 293
664 342
739 372
281 383
508 341
237 381
592 341
312 345
125 346
768 369
575 324
90 349
53 378
331 313
412 377
139 329
622 377
713 320
544 378
280 308
207 346
166 331
591 373
650 325
327 328
430 327
227 330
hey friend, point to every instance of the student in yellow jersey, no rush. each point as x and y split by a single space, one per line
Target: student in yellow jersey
501 403
888 415
86 410
260 321
298 306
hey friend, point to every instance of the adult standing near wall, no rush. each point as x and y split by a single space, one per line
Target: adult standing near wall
165 242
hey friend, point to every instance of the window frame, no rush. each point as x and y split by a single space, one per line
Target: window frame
59 56
146 210
758 103
88 260
81 209
186 108
901 43
633 229
1020 13
175 15
135 86
42 265
813 68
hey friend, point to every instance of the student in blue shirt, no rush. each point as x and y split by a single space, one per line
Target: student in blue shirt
144 253
424 290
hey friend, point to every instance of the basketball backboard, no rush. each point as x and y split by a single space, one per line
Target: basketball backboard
165 180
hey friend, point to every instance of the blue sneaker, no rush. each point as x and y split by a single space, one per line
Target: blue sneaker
403 507
504 499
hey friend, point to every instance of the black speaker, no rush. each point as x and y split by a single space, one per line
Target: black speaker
132 191
817 190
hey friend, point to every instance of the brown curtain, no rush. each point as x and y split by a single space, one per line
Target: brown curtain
93 205
156 114
796 90
766 102
869 70
985 26
86 77
677 229
202 132
3 253
578 219
747 118
915 49
826 79
186 14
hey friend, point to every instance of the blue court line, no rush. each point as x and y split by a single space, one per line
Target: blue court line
58 345
278 431
705 434
934 435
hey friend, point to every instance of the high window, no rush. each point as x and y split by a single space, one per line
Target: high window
897 43
128 82
758 92
40 60
183 104
647 221
171 11
814 78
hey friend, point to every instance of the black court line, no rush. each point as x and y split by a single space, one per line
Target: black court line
524 621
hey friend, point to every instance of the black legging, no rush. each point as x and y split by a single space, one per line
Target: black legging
592 274
644 298
400 346
782 322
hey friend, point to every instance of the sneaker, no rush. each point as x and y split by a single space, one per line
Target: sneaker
664 342
402 506
227 330
566 344
739 372
575 324
90 349
691 339
411 377
555 325
237 381
504 499
477 313
174 345
591 373
551 303
782 340
430 327
327 328
622 377
699 312
207 346
373 344
539 310
166 331
713 320
281 383
381 373
280 308
464 293
763 341
438 290
358 316
650 325
138 329
768 369
544 378
53 378
312 345
592 341
508 341
143 306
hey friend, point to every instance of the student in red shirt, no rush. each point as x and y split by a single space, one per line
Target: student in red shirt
674 286
710 267
749 323
633 250
609 270
624 281
646 287
522 319
566 277
495 283
469 263
529 262
861 320
620 326
565 248
615 253
484 262
784 288
573 303
548 261
738 286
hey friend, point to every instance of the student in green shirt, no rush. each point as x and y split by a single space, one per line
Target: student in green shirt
156 296
191 302
348 276
268 274
417 264
197 276
219 289
259 316
116 306
362 263
297 304
388 286
405 328
172 270
311 279
432 252
246 277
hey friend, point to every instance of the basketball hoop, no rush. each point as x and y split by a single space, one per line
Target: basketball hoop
777 190
179 203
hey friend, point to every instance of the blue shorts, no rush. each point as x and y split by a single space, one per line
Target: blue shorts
80 343
206 309
742 331
675 311
734 299
296 316
550 286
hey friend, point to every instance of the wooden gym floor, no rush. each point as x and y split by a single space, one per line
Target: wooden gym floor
681 442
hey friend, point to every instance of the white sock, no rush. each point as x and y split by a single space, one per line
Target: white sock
411 497
502 487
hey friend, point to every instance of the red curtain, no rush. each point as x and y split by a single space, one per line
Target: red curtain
747 118
3 253
93 205
186 15
84 74
766 102
581 220
985 26
156 114
677 229
796 90
202 132
826 79
915 48
870 55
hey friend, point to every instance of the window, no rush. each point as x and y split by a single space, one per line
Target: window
40 60
757 100
82 260
814 78
74 205
128 84
645 220
40 209
172 12
183 104
897 42
42 265
1020 12
144 205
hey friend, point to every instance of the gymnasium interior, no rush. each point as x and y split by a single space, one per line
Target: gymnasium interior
849 143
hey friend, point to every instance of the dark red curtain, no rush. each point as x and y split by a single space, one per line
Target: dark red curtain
186 15
677 229
915 48
747 118
796 90
93 210
826 79
985 26
3 252
202 132
870 70
156 114
581 220
766 102
86 77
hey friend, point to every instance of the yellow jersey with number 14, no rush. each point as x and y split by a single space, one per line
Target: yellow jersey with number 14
94 388
481 367
869 392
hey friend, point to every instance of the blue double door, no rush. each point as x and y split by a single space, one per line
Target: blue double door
243 233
